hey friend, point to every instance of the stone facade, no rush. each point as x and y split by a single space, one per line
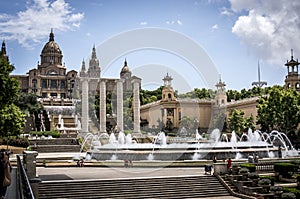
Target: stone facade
50 78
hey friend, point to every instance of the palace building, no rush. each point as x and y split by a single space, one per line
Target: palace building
58 87
50 78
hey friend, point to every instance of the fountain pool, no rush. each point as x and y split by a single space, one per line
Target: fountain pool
164 148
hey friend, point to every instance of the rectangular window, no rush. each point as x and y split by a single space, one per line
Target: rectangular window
63 84
53 84
44 83
44 95
53 94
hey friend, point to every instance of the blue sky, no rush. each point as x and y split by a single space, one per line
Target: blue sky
235 34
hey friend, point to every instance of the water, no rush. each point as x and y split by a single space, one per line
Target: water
191 148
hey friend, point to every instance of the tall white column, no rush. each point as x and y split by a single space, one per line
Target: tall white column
136 106
102 110
85 105
120 105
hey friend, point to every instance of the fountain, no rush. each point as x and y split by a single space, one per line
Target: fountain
164 148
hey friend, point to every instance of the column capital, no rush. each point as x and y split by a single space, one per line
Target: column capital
135 79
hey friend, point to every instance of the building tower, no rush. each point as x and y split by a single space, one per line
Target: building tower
167 91
221 97
125 75
94 70
292 80
3 51
259 83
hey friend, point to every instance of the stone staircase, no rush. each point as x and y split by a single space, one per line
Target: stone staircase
157 187
66 143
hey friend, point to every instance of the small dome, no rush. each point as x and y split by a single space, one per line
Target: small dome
51 53
125 68
51 47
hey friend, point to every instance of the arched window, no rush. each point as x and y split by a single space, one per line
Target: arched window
297 86
34 83
52 72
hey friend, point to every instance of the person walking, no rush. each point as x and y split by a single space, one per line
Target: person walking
5 177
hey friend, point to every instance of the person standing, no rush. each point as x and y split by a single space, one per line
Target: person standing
229 165
5 177
279 152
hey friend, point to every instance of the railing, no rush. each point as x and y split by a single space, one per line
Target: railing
264 166
24 186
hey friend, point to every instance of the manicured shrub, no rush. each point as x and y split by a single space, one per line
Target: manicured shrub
244 170
253 175
272 178
289 195
54 134
15 141
264 181
250 167
285 169
292 190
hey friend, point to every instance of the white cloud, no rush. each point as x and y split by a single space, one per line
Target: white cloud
143 23
179 22
215 27
226 12
30 26
269 29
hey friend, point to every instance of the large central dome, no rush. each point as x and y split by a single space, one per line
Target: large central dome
51 53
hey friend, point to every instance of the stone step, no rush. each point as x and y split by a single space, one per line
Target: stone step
56 148
169 187
55 141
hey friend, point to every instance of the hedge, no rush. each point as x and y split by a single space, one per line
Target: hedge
284 169
54 134
250 167
292 190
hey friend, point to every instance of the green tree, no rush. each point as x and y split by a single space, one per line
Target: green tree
236 121
28 103
280 110
11 121
11 118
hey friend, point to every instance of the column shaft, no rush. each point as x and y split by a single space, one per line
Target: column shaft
120 105
102 107
136 107
85 106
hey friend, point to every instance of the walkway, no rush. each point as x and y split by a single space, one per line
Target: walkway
12 189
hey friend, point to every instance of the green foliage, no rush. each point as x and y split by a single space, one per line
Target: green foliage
11 118
18 142
253 92
250 167
290 193
238 123
54 134
243 170
9 86
279 110
272 178
28 103
147 96
253 175
198 93
284 168
264 181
